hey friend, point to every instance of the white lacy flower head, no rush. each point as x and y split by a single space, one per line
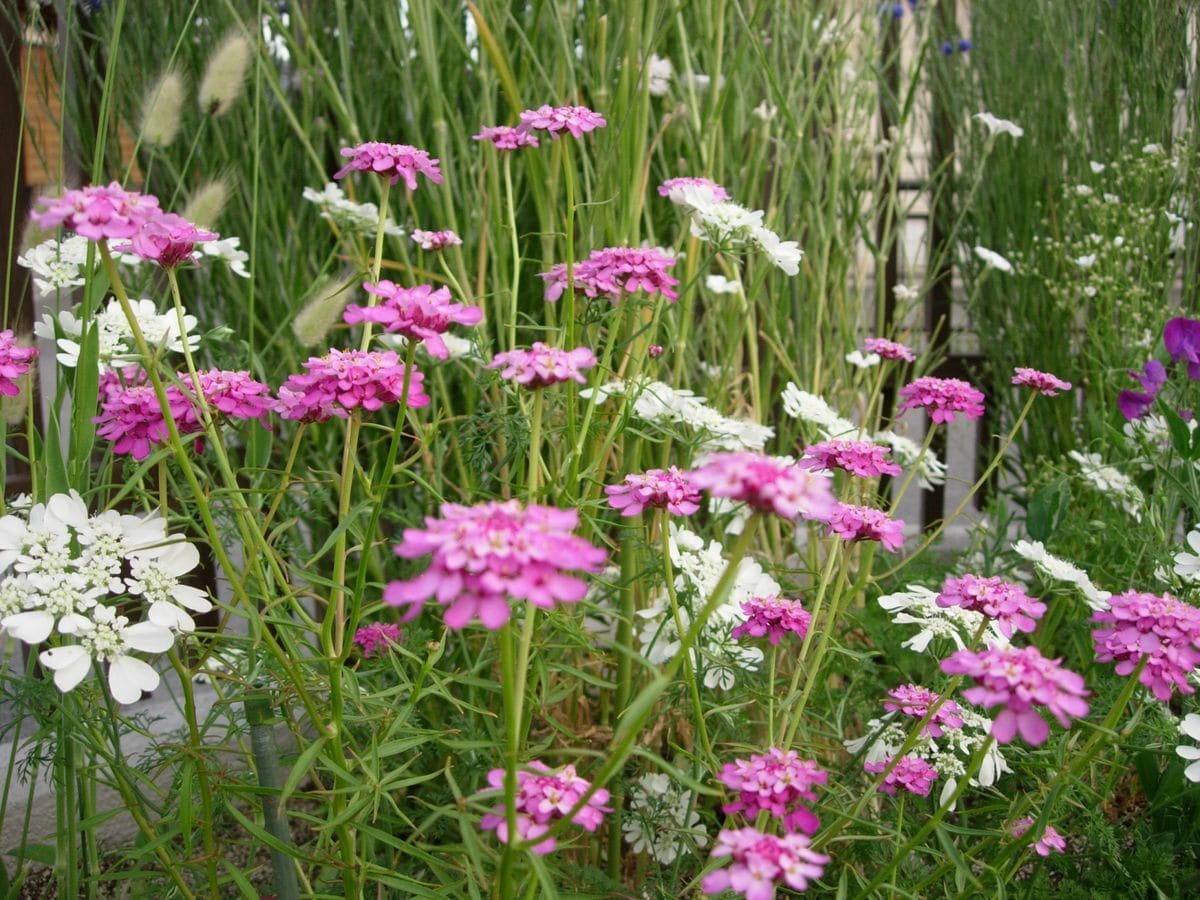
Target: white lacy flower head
1187 565
918 606
810 408
56 265
994 260
995 125
659 73
1190 727
719 284
1061 570
347 215
734 227
1096 167
662 819
931 471
229 251
117 348
903 292
1087 261
863 360
766 111
1108 480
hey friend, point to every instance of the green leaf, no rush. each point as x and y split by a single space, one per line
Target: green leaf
85 395
1181 435
57 481
1047 508
1148 774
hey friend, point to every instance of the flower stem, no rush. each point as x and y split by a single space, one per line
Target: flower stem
512 727
533 474
377 259
514 296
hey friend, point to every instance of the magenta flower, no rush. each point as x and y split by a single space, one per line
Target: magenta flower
166 239
435 240
767 484
1164 631
394 161
1020 681
616 270
345 380
15 361
484 554
779 782
912 773
419 313
1181 337
772 618
542 366
863 523
378 636
669 489
235 395
1041 382
654 351
995 598
1135 404
545 795
759 861
942 398
554 120
861 458
131 417
889 349
98 213
1050 839
672 186
915 701
505 137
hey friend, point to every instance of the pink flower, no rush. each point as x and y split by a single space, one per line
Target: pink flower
345 380
98 213
505 137
234 394
545 795
777 782
616 270
1042 382
942 398
912 773
15 361
889 349
419 313
435 240
1050 839
758 861
556 119
542 366
131 417
669 489
1163 630
395 161
772 618
673 186
862 523
654 351
861 458
1007 603
166 239
1020 680
915 701
377 636
484 554
767 484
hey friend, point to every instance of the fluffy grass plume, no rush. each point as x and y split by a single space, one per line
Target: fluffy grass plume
322 310
225 74
162 112
206 204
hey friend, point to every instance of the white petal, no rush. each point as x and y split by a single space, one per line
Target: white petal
1190 725
69 664
148 637
168 615
73 623
193 598
128 677
30 627
67 509
1188 752
948 791
180 558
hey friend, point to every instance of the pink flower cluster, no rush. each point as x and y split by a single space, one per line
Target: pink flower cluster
767 484
393 161
777 781
942 398
554 120
543 797
915 701
345 380
614 270
435 240
378 636
131 417
1041 382
759 861
863 523
1050 839
236 395
166 239
889 349
505 137
772 618
912 773
542 366
861 458
1164 631
486 553
15 361
419 313
669 489
1007 603
1020 680
98 213
672 186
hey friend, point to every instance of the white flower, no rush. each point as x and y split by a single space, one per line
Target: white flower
863 360
662 819
1153 149
994 260
157 581
1082 190
1187 565
229 250
655 401
116 346
810 408
1086 262
1190 727
457 347
996 125
1110 481
1096 167
765 111
109 639
1060 570
904 293
719 284
918 606
56 265
346 214
784 255
659 73
1112 198
931 471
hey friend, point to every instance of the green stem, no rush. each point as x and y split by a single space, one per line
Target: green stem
533 473
377 259
512 746
514 296
196 745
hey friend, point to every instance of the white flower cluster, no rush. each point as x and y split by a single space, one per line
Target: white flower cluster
56 265
734 227
698 568
662 819
229 251
995 125
67 573
1189 726
116 344
918 606
361 218
659 73
1109 480
1060 570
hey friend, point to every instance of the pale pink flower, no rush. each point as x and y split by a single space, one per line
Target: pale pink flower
942 398
654 351
1050 839
166 239
861 458
505 137
889 349
542 366
484 554
673 188
863 523
345 380
98 213
759 861
419 313
912 773
1042 382
616 270
915 701
1163 630
235 395
669 489
131 417
773 618
995 598
778 782
766 484
393 161
15 361
435 240
545 795
576 120
377 637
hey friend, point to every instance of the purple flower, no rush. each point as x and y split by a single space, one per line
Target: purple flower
419 313
542 366
914 700
758 861
545 795
862 458
863 523
554 120
1050 839
1135 404
1181 337
942 398
778 782
669 489
995 598
505 137
1163 630
15 361
912 773
772 618
377 636
614 271
1040 382
392 161
767 484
